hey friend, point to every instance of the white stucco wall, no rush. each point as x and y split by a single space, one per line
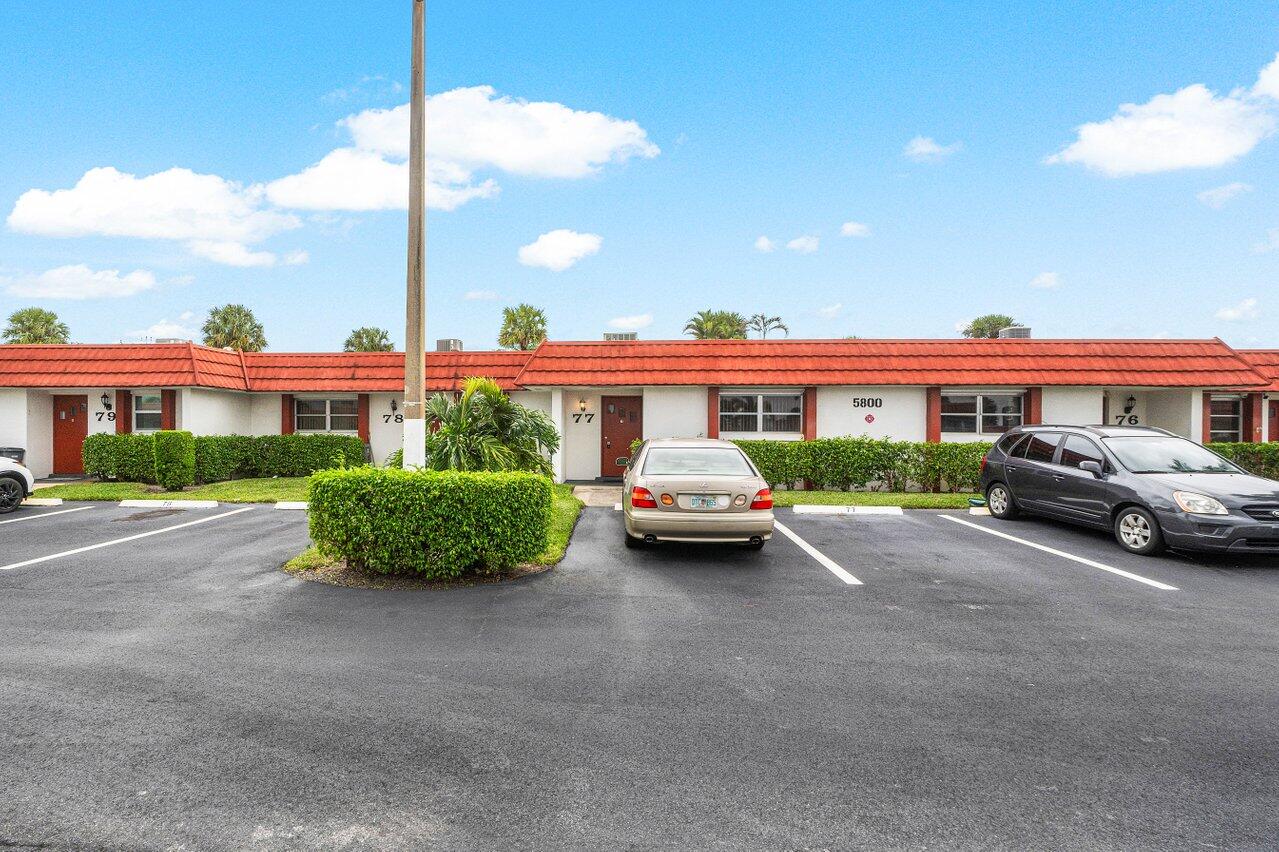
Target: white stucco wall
13 418
213 412
1178 411
386 434
580 443
264 414
675 412
40 433
1071 406
539 400
902 415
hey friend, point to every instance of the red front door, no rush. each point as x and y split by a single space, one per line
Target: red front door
622 421
70 426
1273 433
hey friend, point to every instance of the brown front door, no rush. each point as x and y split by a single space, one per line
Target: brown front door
623 422
70 426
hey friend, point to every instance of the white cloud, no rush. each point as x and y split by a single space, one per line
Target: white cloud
830 311
1267 85
854 229
1190 129
765 245
480 295
80 282
1046 281
559 249
231 253
1217 197
1270 243
925 149
1245 310
631 323
166 328
369 86
468 129
298 257
804 245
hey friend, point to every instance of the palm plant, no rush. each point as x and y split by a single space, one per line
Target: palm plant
368 339
523 327
35 325
483 429
764 324
233 327
717 325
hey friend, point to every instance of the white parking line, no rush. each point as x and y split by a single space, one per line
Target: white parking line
825 561
115 541
44 515
1064 555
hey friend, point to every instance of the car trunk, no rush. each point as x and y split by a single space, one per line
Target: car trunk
687 491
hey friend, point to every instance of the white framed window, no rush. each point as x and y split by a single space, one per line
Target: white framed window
1225 419
980 413
326 415
761 412
147 416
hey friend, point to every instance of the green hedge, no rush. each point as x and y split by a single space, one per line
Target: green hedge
436 523
174 459
1258 459
844 463
127 458
131 458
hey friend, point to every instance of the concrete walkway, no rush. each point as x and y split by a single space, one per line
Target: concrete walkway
598 495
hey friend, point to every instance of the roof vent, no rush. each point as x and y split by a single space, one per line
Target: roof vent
621 335
1014 332
448 344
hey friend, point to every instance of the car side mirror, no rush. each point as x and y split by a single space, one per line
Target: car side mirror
1092 467
622 461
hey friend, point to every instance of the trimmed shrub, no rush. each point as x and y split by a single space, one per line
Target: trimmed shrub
126 458
439 524
1259 459
222 457
395 459
302 455
860 462
781 463
174 459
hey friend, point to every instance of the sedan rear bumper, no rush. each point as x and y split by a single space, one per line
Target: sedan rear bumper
724 527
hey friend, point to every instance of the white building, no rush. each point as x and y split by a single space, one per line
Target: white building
602 395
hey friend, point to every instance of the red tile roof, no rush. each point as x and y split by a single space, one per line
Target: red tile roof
1133 363
375 371
1265 362
108 365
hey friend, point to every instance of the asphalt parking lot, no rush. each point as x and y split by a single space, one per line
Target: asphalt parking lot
175 689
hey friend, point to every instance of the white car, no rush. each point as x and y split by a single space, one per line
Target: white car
16 484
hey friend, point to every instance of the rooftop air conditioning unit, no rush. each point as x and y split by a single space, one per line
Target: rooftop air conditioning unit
621 335
1014 332
172 340
448 344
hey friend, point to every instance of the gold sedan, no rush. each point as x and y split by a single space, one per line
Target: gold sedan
695 489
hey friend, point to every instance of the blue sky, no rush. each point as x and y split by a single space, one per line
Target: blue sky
718 124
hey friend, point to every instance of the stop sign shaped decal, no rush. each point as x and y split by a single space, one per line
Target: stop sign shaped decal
870 418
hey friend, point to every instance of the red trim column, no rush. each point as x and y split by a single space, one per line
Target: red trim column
810 414
1207 418
1253 412
712 412
932 415
123 412
362 418
168 409
286 414
1034 401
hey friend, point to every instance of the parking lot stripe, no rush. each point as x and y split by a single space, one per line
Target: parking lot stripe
825 561
116 541
1064 555
44 515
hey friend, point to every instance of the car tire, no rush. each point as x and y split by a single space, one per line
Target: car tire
1138 532
1000 502
11 493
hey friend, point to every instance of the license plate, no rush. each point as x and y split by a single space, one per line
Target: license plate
701 501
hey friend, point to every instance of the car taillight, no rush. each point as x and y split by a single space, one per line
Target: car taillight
642 498
763 499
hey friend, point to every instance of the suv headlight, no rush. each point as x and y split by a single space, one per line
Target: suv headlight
1199 504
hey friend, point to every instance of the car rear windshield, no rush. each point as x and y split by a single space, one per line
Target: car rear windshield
1167 455
698 461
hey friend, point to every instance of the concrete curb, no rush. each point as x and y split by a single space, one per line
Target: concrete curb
168 504
811 509
978 510
42 501
292 505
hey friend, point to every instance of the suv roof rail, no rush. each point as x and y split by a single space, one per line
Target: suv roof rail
1098 428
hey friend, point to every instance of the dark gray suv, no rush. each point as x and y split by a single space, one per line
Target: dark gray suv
1152 488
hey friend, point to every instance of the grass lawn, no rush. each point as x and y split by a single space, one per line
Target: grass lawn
234 491
908 500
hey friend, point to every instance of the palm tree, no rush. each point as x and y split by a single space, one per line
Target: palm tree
233 327
523 327
35 325
764 324
482 429
368 339
717 325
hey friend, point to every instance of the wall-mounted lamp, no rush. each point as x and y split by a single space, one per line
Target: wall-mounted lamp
581 405
394 407
1129 404
106 401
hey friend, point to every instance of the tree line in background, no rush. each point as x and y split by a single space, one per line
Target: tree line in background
523 327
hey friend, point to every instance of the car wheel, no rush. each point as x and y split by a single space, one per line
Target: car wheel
11 493
1000 502
1138 532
